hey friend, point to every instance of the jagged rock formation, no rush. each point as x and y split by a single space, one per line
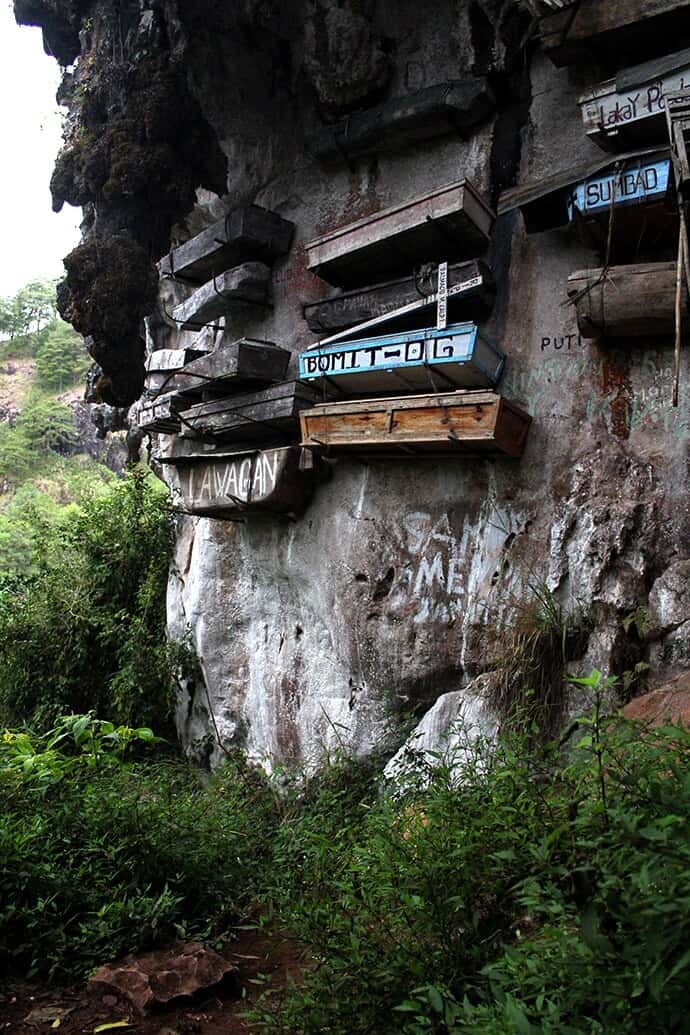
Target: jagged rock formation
397 584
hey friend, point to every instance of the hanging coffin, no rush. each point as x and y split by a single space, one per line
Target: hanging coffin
161 415
226 485
626 301
250 232
244 286
257 416
453 222
631 109
611 29
433 359
238 364
422 425
403 303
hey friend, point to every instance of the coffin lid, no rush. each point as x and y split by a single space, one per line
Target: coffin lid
543 202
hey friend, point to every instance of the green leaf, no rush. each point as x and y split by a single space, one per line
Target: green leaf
435 999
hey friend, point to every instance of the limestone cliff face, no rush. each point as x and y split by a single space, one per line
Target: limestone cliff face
398 582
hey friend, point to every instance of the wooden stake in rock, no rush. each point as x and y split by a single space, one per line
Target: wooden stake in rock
678 124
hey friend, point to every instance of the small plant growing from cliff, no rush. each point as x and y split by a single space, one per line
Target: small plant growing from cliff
530 674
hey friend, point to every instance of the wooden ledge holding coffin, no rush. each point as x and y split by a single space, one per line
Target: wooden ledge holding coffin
246 233
238 364
421 425
227 485
239 288
631 108
453 107
471 297
612 29
269 415
625 301
450 223
458 356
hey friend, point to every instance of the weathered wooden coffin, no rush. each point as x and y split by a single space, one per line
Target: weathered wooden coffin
250 232
237 364
625 301
226 485
269 415
635 184
451 223
631 108
609 29
172 359
471 296
471 422
244 286
160 415
457 356
454 107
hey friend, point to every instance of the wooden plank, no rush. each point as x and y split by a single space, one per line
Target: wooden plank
246 233
614 114
260 481
443 423
243 363
349 308
429 358
625 301
242 287
270 414
611 28
451 223
453 107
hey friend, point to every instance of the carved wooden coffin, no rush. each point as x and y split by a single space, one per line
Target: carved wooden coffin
244 286
471 293
613 28
246 233
160 415
451 223
625 301
453 107
457 356
239 364
462 422
227 484
631 108
269 415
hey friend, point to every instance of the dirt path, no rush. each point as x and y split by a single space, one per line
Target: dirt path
265 962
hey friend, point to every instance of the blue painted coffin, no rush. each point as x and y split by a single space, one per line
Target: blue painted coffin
427 359
636 184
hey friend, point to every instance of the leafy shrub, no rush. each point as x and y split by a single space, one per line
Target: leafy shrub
87 629
101 857
60 357
46 424
532 893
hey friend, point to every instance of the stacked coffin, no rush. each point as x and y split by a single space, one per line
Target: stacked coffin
384 342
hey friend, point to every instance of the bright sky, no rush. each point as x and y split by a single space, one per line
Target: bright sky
33 239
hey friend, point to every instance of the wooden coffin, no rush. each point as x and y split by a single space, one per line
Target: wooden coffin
451 223
238 364
636 184
268 415
626 301
172 359
613 29
453 107
160 415
458 356
462 422
631 108
471 293
242 287
226 485
245 233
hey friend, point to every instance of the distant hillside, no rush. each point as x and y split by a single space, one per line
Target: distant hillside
51 455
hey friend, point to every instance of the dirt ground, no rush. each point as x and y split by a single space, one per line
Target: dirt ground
265 963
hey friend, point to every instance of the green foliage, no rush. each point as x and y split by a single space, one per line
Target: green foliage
46 424
87 628
535 893
24 316
102 856
60 357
